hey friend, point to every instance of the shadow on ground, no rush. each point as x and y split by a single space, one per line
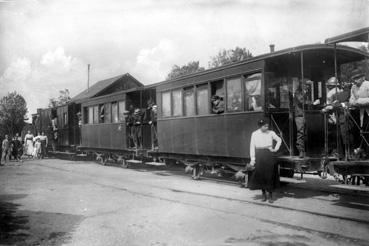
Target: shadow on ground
24 227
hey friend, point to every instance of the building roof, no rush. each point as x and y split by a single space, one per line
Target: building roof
99 87
361 35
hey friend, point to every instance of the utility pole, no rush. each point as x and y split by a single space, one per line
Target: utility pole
88 77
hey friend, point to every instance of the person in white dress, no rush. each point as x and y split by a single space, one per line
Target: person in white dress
28 143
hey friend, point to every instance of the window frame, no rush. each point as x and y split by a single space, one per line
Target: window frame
227 79
192 87
180 90
170 104
246 98
208 99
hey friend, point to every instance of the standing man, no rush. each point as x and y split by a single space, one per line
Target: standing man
360 93
17 145
299 121
5 147
44 142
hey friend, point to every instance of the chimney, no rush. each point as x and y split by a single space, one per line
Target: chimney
271 46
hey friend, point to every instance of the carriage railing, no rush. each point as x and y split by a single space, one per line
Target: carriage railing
362 132
348 116
280 133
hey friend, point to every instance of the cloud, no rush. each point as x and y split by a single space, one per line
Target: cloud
46 45
43 79
154 62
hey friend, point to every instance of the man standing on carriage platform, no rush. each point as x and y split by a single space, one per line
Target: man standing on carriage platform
299 120
360 93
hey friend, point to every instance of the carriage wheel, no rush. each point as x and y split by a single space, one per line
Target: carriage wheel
124 163
196 172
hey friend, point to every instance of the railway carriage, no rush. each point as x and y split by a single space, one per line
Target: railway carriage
206 136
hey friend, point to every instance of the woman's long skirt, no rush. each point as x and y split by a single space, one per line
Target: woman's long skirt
265 176
29 147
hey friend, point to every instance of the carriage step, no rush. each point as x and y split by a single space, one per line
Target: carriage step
134 161
152 163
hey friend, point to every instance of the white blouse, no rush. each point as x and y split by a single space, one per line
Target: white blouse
261 139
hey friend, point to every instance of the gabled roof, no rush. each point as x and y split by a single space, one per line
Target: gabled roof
361 35
100 87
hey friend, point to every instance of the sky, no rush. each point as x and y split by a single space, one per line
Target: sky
45 45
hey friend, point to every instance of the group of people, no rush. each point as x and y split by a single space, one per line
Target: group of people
135 119
11 148
31 146
264 142
339 96
35 146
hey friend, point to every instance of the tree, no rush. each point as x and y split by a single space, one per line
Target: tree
346 69
63 98
13 110
191 67
225 57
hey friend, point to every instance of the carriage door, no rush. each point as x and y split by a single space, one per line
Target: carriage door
278 106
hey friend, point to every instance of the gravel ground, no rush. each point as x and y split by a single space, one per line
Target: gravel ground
58 202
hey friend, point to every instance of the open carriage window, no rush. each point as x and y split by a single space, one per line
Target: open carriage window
90 115
253 92
234 98
166 104
101 113
107 107
278 92
202 99
189 101
177 102
217 97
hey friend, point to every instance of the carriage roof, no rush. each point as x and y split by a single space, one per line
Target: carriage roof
349 53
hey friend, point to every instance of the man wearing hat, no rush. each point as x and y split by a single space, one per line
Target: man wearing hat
217 104
360 93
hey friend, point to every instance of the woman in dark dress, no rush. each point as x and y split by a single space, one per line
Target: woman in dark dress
265 175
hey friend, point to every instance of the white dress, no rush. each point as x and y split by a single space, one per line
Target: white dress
28 139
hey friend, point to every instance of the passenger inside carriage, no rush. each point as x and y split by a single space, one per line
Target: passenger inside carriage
217 104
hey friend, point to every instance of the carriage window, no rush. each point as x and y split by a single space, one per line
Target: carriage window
253 92
114 112
217 97
166 104
121 110
278 92
85 115
177 102
65 119
234 99
107 113
90 115
189 101
101 113
202 101
96 114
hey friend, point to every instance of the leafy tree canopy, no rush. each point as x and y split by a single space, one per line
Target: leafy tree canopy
346 69
191 67
225 57
13 110
63 98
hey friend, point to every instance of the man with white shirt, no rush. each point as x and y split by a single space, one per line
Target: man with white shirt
360 93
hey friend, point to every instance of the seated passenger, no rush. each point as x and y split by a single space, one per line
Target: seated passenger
217 104
360 93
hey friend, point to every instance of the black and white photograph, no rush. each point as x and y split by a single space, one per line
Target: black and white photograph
184 122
